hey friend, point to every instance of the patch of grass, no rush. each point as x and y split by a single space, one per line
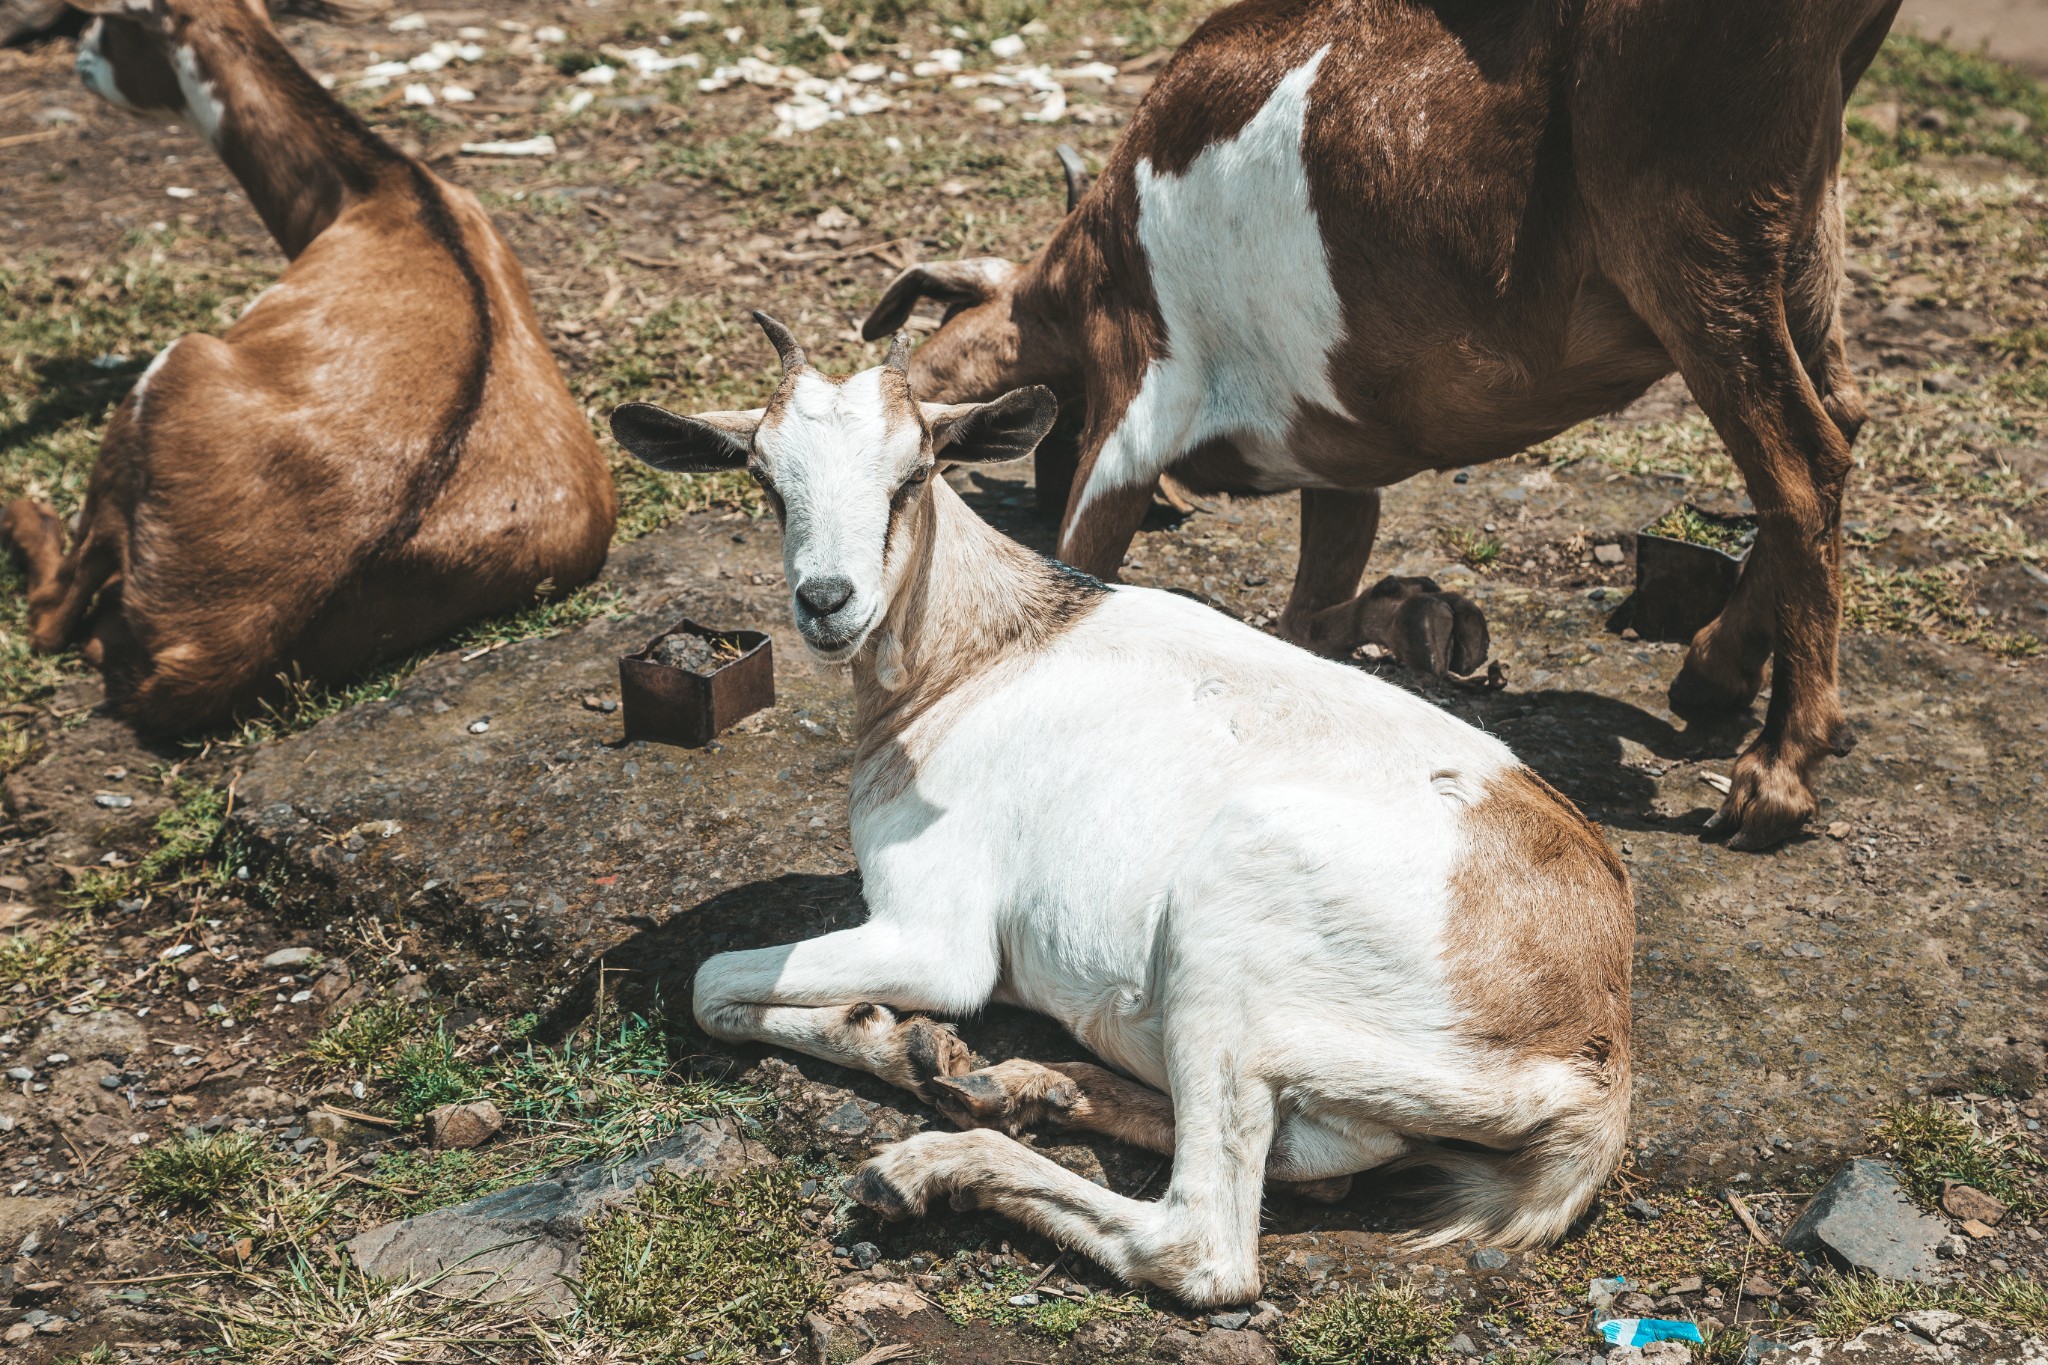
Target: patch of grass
727 1269
1849 1303
1930 601
1934 1142
1477 549
1969 91
1686 523
198 1170
428 1073
971 1298
369 1038
1378 1326
308 1313
36 962
188 835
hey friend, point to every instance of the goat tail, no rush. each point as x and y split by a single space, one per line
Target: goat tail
1532 1195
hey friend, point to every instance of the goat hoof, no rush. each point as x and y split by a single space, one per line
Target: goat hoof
870 1189
975 1100
932 1050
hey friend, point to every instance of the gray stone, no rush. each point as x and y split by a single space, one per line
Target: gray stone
290 957
1230 1322
1863 1220
1489 1259
261 1102
865 1254
1215 1347
528 1240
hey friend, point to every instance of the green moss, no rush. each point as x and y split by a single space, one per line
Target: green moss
728 1269
1376 1326
969 1297
34 962
1475 548
428 1073
371 1036
1934 1143
199 1170
1687 523
1849 1303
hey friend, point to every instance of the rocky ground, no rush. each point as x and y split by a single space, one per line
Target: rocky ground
321 1032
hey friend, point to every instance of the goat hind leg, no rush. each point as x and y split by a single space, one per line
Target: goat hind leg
61 585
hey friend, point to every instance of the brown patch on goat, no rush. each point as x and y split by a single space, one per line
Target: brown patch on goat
1541 930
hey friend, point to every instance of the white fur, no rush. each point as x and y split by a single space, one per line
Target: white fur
135 395
835 460
1243 283
203 108
93 67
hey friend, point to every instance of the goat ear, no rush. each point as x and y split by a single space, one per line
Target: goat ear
1008 428
970 281
686 445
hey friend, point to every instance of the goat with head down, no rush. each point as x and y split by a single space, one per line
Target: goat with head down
1341 244
1324 926
380 448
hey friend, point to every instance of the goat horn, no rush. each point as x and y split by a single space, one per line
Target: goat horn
785 343
899 353
1077 174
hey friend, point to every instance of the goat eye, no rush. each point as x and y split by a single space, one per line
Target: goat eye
754 473
918 476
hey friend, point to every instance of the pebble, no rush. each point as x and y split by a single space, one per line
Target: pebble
1608 554
20 1073
1489 1258
480 727
59 1058
112 801
1229 1322
864 1254
1023 1300
110 1082
289 957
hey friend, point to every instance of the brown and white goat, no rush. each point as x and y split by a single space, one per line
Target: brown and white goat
1326 926
1347 241
380 449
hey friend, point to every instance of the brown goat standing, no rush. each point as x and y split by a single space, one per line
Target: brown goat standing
380 449
1347 241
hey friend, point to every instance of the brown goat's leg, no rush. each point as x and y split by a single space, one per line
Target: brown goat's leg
1747 375
61 586
1426 628
1099 530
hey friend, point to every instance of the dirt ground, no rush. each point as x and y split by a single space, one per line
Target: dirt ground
513 911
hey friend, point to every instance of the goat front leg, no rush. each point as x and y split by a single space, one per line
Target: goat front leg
1199 1242
1427 629
853 998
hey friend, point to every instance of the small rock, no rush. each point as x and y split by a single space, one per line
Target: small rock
1265 1316
458 1127
1230 1322
1461 1345
1635 1305
1644 1209
1977 1231
480 727
1608 554
18 1333
112 801
604 705
1864 1220
289 957
1757 1287
20 1073
1601 1294
1840 829
1687 1284
261 1101
1958 1201
864 1254
1929 1322
1216 1347
1757 1347
332 1127
1023 1300
112 1082
1488 1259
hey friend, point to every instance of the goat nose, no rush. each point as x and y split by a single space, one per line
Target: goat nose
825 595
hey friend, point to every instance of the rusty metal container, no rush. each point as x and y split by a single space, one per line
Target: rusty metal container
690 707
1680 584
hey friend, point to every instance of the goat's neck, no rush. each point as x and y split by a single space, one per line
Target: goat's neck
968 596
299 153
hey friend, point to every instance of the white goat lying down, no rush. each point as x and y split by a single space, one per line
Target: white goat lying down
1325 925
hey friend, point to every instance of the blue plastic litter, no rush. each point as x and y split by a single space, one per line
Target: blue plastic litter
1643 1331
